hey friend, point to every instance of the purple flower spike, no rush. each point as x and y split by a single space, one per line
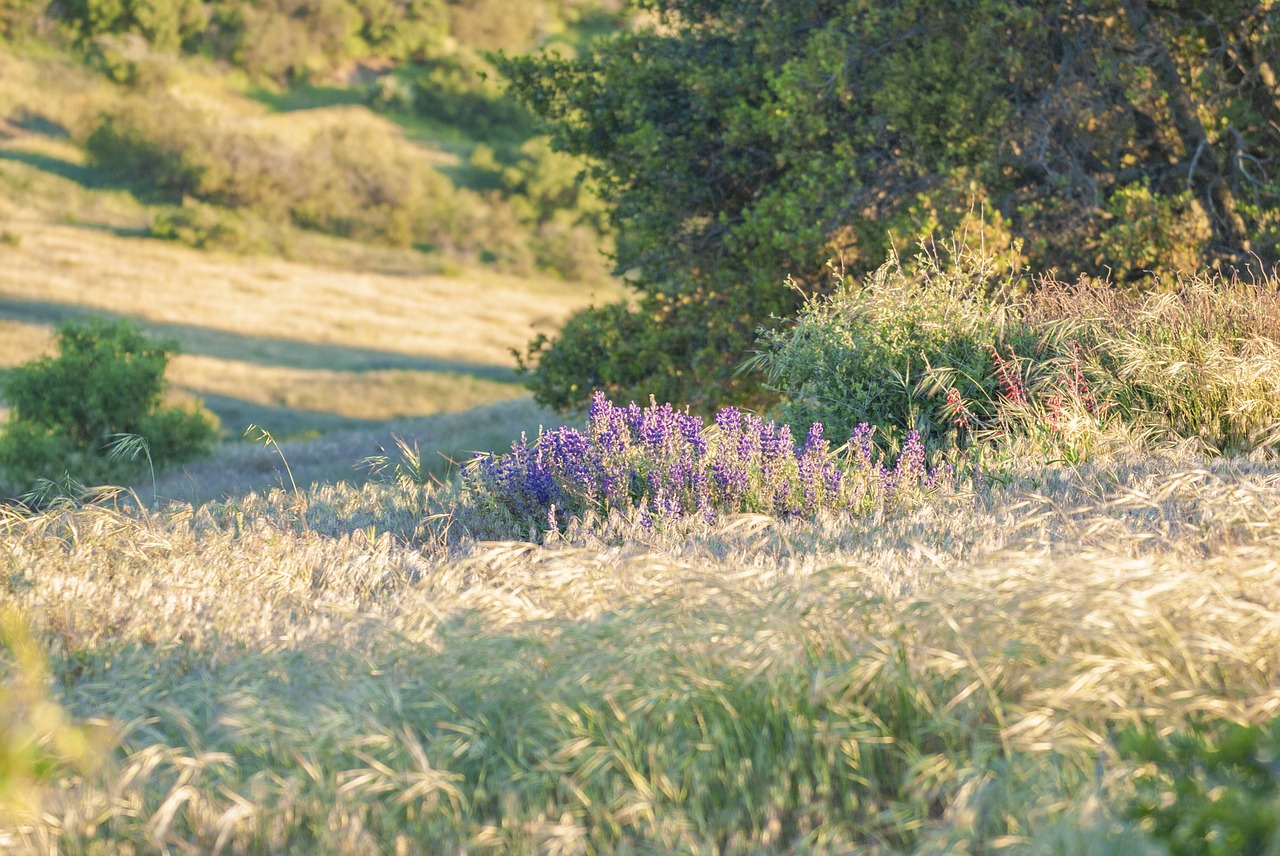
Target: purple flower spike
910 466
662 465
813 443
860 442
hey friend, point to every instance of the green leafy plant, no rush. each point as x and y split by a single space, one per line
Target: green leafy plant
106 381
873 351
39 743
739 143
1210 789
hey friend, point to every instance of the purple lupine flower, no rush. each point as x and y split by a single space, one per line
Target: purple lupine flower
775 442
833 480
910 467
782 497
944 473
657 424
601 407
810 484
888 480
813 443
860 442
729 420
658 462
691 432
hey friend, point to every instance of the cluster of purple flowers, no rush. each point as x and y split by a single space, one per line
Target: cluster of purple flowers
667 464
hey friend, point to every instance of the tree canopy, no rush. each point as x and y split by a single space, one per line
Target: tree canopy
740 144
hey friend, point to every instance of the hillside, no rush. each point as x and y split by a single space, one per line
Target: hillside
315 335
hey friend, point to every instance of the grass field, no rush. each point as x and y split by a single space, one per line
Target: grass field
330 676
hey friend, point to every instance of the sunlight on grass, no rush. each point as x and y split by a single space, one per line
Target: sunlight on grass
923 682
371 395
477 319
21 342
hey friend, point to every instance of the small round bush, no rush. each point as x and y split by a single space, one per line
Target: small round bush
872 353
105 383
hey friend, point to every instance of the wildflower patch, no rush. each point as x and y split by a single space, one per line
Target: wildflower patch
666 465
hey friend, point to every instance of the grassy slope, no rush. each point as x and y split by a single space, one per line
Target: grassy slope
336 345
942 681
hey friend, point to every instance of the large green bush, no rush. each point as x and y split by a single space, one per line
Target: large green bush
887 351
106 381
741 143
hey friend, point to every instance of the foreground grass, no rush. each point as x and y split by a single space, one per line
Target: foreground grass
338 672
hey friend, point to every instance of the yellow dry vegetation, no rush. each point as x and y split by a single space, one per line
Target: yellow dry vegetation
336 337
476 319
956 674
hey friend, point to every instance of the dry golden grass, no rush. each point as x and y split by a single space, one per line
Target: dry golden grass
943 681
335 341
443 440
369 395
475 319
20 342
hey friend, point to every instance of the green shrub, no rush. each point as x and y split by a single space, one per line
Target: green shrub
462 90
602 347
203 227
925 348
286 40
1211 789
106 381
887 351
150 141
18 18
167 25
356 181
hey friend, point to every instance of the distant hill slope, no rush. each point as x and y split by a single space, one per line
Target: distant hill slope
302 332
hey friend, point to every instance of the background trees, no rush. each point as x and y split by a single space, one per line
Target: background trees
741 143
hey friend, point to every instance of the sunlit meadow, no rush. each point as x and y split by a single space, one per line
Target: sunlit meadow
344 670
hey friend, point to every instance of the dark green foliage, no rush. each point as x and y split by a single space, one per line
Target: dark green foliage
603 347
168 25
741 143
1212 789
459 90
106 381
